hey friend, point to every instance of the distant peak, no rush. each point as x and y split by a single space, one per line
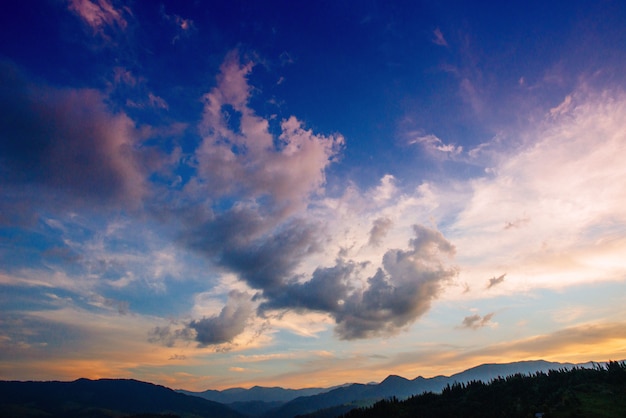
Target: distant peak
394 378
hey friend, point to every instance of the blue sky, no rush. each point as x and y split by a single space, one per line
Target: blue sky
220 194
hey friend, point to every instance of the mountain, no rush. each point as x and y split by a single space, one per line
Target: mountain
395 386
255 393
103 398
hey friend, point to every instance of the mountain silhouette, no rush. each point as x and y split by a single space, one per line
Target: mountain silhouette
124 397
102 398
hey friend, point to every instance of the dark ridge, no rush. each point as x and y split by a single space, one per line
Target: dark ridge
102 398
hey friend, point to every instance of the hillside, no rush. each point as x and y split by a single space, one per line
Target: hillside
578 392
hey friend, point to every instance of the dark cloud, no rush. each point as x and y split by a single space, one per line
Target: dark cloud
494 281
379 230
245 242
326 291
476 321
213 330
167 336
400 291
66 141
228 324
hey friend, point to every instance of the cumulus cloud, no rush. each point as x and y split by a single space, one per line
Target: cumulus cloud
252 216
395 296
476 321
240 156
67 140
402 290
494 281
212 330
230 322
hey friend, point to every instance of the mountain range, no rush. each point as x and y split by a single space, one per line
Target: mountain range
123 398
264 402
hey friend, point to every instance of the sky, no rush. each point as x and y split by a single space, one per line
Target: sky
215 194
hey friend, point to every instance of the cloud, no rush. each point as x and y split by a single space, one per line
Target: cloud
518 223
326 291
565 177
239 155
67 141
494 281
400 291
562 108
379 230
230 322
476 321
183 26
98 15
436 146
260 252
438 38
166 336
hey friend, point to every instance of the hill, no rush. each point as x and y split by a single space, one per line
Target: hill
103 398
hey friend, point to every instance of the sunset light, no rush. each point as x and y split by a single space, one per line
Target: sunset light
220 194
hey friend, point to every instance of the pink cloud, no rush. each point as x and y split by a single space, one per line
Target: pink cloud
70 142
239 154
98 15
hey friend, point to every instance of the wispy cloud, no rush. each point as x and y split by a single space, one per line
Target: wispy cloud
476 321
494 281
438 38
435 145
99 15
183 26
541 182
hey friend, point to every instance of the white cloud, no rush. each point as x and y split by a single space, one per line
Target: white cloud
436 146
551 213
